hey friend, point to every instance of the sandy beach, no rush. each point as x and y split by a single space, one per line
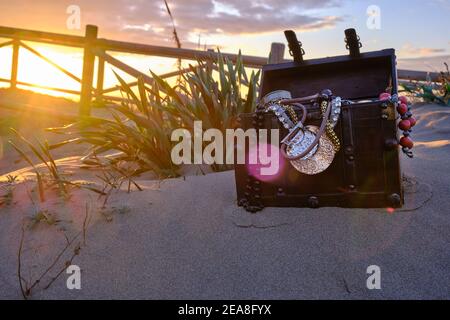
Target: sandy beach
186 238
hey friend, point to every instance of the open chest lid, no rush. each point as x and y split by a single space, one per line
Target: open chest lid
350 77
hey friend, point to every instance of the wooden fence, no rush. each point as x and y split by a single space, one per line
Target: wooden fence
97 48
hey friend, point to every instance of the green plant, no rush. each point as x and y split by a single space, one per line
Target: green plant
201 96
42 152
7 190
137 130
430 92
54 268
174 32
141 126
52 178
11 179
43 216
113 178
7 195
214 93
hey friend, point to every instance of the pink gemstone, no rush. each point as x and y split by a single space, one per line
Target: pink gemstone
402 108
403 99
385 96
406 142
404 125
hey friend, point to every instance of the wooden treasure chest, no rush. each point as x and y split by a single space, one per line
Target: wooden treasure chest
360 132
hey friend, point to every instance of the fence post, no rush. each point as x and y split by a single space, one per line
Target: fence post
100 79
87 77
276 53
15 63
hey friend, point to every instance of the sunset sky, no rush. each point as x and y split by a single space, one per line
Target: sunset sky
416 29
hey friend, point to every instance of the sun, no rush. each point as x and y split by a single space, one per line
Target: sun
34 70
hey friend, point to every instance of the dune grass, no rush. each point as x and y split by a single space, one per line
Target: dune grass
50 177
141 126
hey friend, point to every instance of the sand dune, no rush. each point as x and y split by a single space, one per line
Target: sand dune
187 239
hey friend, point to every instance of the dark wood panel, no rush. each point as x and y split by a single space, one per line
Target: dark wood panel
351 78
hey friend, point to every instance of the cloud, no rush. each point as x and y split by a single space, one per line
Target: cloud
147 21
429 64
408 50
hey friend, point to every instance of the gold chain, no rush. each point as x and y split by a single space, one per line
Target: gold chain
329 128
292 113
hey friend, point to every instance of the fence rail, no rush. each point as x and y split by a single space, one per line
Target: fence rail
97 48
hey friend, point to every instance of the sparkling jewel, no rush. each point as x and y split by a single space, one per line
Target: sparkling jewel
403 99
301 141
412 121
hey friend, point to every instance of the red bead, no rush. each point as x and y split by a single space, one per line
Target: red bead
404 125
403 99
402 108
385 96
412 121
406 142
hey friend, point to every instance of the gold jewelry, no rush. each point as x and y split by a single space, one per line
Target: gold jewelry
329 128
320 158
292 113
